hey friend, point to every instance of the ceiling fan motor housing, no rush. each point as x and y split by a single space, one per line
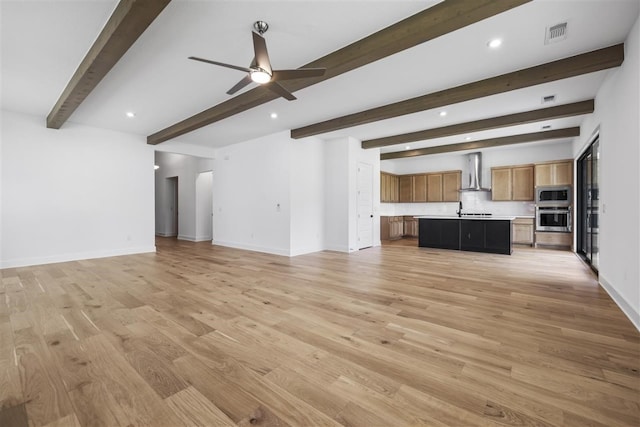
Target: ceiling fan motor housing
261 27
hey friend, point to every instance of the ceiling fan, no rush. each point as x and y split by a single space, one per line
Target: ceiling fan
260 70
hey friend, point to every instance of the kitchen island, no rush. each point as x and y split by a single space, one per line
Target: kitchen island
467 233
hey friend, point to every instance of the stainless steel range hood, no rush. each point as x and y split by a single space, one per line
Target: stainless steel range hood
472 175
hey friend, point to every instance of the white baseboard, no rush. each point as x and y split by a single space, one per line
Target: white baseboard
626 308
255 248
25 262
193 239
307 250
337 248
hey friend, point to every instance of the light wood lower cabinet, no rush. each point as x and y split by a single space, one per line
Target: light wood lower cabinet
546 238
410 226
522 231
391 227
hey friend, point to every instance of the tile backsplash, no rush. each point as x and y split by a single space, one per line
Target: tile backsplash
472 202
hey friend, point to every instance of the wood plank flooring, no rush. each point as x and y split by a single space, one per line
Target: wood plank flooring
199 335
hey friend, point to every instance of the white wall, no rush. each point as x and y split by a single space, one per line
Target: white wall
204 206
474 201
307 163
186 168
617 116
74 193
336 195
342 156
251 195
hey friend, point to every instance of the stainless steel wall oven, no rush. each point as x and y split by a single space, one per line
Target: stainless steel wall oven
553 218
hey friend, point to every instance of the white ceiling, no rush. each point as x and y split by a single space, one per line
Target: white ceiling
44 41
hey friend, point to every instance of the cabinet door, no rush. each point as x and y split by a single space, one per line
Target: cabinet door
544 174
420 188
501 184
522 183
522 234
434 187
384 228
393 191
472 235
563 173
451 186
406 188
497 237
439 233
384 188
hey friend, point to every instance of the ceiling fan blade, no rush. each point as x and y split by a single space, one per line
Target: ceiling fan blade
242 83
260 49
300 73
222 64
275 87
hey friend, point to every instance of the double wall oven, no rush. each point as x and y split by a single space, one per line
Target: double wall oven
553 208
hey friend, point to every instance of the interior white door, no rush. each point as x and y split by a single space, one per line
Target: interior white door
365 205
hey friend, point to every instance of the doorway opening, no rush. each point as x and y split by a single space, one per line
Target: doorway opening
172 198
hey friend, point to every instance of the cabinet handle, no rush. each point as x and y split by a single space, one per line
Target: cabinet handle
469 236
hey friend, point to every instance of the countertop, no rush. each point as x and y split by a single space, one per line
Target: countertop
472 217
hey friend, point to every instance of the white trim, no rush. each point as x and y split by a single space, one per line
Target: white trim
306 250
193 239
254 248
25 262
626 308
337 248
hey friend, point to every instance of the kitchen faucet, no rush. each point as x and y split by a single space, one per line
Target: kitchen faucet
459 211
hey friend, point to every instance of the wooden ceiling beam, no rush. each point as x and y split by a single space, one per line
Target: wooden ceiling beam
127 22
485 143
440 19
532 116
590 62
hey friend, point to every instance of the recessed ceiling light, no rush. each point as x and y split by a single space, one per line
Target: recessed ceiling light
494 43
274 115
443 113
131 114
468 138
156 167
408 147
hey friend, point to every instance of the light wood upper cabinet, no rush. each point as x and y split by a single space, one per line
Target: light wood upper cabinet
451 182
420 188
501 183
388 188
434 187
406 188
554 173
512 183
522 183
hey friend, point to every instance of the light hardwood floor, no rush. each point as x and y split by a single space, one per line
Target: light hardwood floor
203 335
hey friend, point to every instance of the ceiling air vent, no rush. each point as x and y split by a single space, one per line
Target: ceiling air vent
556 33
548 99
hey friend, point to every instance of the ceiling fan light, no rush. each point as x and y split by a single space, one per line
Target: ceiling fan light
260 76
